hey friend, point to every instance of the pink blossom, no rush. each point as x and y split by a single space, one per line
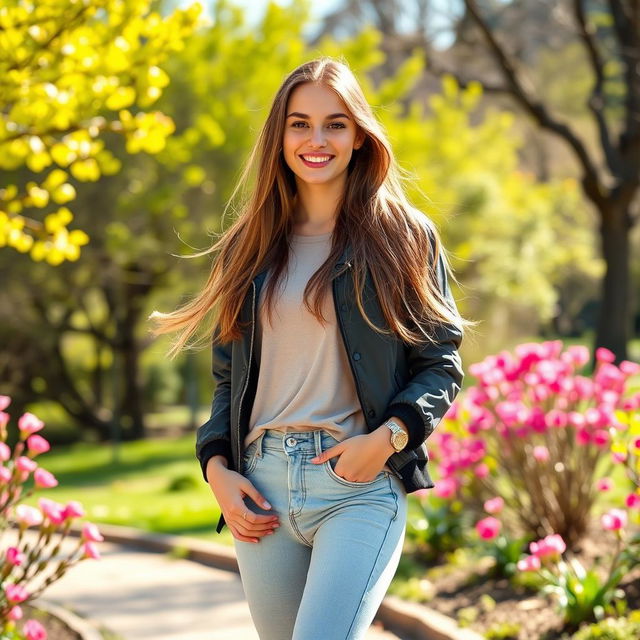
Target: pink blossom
583 436
90 551
15 592
5 475
576 419
629 404
494 505
556 418
550 545
530 563
44 479
604 484
52 510
91 533
33 630
633 501
14 556
28 515
5 401
26 464
481 470
619 456
15 613
541 453
28 424
445 488
629 368
4 418
37 444
5 451
601 438
614 520
577 355
488 528
74 508
605 355
636 443
453 412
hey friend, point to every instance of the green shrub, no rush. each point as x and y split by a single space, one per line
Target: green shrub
611 629
503 631
183 482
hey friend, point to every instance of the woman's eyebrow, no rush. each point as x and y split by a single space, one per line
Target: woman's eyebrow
297 114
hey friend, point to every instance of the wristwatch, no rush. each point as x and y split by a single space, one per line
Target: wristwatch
399 438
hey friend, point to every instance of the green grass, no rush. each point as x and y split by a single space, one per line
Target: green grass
132 488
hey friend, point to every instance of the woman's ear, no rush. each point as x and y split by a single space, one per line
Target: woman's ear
359 141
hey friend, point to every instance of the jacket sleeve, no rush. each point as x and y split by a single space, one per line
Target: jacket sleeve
214 436
435 376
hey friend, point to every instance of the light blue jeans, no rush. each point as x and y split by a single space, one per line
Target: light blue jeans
324 572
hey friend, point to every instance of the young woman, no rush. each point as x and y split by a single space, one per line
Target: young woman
335 355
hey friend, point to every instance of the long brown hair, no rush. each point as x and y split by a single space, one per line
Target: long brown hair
396 244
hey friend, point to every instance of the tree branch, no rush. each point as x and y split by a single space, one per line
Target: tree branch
597 101
626 27
538 110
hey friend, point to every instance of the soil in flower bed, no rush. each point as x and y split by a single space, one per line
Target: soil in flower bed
457 588
55 628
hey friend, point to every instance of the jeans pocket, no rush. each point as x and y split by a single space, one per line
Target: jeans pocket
250 458
330 464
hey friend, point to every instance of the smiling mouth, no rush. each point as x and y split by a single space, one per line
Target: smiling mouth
316 161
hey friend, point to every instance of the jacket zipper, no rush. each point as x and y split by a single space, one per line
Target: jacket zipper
248 373
390 462
344 340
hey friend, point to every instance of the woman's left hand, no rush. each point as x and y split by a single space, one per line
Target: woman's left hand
361 457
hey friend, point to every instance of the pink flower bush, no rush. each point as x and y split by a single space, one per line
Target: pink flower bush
551 545
582 593
614 520
530 563
494 505
533 430
488 528
20 563
33 630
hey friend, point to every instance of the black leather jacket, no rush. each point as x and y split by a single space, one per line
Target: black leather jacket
416 384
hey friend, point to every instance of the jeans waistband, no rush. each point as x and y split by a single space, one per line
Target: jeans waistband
298 440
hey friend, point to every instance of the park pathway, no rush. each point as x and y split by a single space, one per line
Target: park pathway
150 596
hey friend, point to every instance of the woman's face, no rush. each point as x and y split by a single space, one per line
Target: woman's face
319 135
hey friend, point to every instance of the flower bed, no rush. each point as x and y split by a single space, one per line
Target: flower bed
524 460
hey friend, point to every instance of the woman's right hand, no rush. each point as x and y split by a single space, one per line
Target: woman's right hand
229 489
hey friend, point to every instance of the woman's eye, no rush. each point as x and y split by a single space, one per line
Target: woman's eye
301 124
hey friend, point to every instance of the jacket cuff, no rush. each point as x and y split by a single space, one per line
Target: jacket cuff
412 420
214 448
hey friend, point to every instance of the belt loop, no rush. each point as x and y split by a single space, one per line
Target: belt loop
259 446
317 439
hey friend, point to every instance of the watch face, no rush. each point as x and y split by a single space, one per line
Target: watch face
399 440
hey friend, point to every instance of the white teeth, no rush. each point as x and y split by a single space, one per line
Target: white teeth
317 159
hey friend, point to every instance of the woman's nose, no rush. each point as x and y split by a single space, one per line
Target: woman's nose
317 138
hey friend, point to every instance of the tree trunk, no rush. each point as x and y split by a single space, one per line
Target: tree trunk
614 314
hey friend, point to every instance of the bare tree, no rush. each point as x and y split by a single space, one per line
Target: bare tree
612 184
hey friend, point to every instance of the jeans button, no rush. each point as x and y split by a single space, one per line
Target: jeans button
291 441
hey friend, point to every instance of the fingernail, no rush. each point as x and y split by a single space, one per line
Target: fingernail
254 541
269 533
266 505
315 459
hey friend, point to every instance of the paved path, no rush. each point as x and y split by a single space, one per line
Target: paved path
151 596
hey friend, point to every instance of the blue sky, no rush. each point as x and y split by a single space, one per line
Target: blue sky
319 8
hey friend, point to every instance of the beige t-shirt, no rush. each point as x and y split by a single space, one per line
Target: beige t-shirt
305 381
